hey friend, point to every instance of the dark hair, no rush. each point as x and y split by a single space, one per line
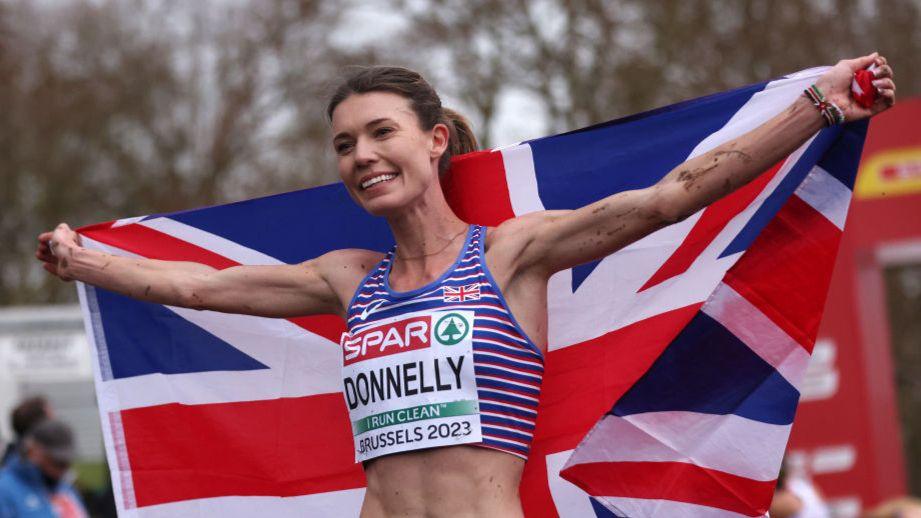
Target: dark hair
27 413
55 437
423 99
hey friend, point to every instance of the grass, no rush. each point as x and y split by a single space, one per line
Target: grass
92 476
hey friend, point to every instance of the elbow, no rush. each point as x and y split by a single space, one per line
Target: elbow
671 216
666 209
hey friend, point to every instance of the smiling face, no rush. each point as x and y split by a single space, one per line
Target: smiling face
386 160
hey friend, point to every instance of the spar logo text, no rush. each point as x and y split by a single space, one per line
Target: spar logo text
405 335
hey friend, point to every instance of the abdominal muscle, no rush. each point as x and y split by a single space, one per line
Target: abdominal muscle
455 481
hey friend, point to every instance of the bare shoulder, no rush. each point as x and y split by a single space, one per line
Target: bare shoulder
344 269
510 245
517 232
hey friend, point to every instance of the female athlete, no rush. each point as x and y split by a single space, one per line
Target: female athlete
393 140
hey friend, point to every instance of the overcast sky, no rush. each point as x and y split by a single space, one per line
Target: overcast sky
520 115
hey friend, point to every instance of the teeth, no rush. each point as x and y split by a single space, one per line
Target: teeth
377 179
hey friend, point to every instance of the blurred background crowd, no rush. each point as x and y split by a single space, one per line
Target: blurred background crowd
119 108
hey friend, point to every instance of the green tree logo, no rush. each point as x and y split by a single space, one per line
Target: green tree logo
451 329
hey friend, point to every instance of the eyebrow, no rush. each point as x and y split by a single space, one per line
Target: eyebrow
368 125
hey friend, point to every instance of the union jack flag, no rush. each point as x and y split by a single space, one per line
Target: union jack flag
462 293
673 365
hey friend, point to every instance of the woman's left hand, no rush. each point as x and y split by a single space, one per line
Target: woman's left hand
836 85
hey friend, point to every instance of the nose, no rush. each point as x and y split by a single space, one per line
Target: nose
365 152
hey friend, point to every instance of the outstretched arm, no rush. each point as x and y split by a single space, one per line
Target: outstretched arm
555 240
272 291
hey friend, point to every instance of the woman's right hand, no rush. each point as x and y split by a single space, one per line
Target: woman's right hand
55 248
317 286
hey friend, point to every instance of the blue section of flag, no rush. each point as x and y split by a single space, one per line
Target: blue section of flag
707 369
782 193
843 159
319 220
147 338
578 168
581 272
601 511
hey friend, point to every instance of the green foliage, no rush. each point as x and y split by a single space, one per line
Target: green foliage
92 476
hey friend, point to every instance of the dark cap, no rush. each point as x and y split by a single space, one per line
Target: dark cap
56 438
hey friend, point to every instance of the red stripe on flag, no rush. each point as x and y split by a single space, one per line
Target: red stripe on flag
476 188
788 268
676 481
534 489
581 383
330 327
96 227
710 224
266 448
153 244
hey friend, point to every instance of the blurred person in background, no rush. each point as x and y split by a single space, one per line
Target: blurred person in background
24 416
812 505
797 496
785 503
904 507
35 482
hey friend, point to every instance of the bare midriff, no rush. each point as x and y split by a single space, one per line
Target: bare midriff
455 481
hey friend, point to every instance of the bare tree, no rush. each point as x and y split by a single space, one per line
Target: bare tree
594 60
126 107
133 107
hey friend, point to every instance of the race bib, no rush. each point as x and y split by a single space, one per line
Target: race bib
409 383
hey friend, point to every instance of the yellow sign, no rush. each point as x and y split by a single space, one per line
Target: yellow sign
889 173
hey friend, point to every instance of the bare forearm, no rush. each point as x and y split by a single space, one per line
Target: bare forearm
144 279
704 179
554 240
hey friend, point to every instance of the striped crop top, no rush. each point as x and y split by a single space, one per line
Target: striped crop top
440 365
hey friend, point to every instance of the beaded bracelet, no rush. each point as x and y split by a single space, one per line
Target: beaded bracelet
833 115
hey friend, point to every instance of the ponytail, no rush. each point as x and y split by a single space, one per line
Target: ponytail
462 139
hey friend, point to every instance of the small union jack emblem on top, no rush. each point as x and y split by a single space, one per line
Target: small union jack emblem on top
461 293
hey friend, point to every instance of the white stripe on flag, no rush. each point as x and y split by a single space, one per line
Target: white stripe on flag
727 443
810 73
776 97
334 503
826 194
521 179
758 332
127 221
207 240
570 500
116 433
276 342
199 388
647 507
